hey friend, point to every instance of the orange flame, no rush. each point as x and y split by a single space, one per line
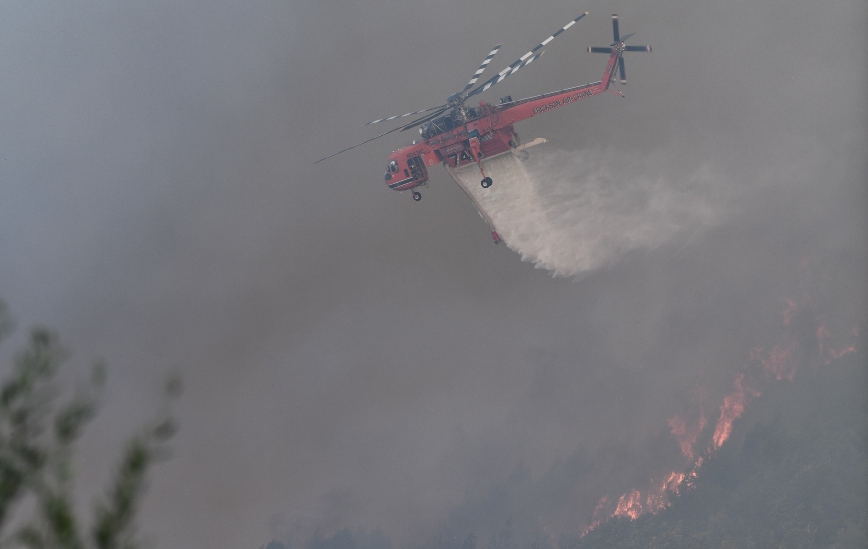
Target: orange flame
824 341
732 409
629 505
597 517
779 363
673 481
686 434
633 504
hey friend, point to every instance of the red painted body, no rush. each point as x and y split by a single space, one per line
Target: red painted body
486 132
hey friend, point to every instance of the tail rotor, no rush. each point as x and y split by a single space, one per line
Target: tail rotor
619 47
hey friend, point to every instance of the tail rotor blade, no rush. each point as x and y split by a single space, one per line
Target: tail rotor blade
619 48
481 69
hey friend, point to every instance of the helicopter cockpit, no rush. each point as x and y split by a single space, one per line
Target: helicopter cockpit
437 126
447 122
393 168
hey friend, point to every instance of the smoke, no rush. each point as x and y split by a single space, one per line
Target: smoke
575 212
353 358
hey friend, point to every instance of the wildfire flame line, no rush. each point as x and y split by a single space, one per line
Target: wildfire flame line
776 364
732 408
686 434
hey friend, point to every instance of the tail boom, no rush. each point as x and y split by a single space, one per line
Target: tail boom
532 106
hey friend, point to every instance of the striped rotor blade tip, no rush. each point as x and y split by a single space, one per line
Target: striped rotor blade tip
510 70
523 60
481 68
555 35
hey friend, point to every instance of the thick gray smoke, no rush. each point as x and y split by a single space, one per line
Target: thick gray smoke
353 358
575 212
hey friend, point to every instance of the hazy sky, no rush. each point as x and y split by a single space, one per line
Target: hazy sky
353 358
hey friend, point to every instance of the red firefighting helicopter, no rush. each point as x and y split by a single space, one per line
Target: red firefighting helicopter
457 135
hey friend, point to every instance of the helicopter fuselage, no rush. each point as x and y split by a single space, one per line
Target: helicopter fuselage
469 135
451 142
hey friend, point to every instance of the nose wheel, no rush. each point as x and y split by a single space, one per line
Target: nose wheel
487 182
417 196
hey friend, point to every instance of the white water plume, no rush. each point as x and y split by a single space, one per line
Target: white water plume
574 212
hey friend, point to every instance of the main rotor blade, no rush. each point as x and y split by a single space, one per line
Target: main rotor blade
596 49
480 69
637 48
503 74
401 128
623 72
615 32
424 119
358 144
403 115
525 59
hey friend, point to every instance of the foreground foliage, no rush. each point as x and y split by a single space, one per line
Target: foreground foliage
38 431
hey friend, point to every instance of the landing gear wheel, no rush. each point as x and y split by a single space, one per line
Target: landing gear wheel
487 182
417 196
